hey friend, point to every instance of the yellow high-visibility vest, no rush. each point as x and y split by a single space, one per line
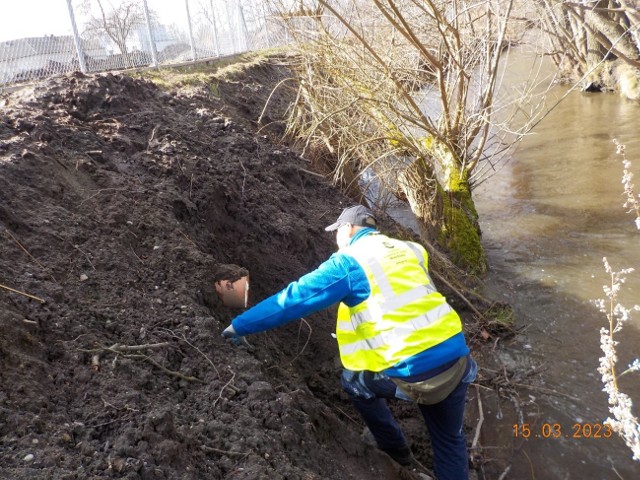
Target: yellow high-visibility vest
404 314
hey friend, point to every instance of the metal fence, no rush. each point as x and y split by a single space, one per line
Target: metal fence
107 35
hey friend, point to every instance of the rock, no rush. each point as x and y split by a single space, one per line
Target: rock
29 457
83 277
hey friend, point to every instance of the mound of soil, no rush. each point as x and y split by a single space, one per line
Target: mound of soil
118 203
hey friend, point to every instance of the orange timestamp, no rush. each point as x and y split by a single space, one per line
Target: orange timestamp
556 430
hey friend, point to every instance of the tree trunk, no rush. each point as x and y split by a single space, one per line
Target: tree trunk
446 214
122 45
613 32
632 18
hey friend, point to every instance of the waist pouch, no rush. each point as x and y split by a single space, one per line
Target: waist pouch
437 388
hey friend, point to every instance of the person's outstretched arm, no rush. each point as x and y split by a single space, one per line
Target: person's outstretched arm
327 285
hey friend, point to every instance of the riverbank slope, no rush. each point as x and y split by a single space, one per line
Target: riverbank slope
118 203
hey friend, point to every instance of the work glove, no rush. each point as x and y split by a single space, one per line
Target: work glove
237 340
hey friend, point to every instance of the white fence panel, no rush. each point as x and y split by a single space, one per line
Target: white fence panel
125 34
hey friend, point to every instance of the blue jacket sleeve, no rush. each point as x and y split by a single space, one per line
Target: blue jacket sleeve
328 284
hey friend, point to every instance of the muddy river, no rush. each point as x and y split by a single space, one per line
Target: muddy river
549 215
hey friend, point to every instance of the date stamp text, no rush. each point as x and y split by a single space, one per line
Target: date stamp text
557 430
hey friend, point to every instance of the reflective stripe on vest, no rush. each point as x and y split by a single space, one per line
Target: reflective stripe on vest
404 314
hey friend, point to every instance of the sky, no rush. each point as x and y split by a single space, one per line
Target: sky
36 18
33 18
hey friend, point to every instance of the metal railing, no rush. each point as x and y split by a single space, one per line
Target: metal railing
123 34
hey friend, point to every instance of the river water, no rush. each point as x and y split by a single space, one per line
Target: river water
549 215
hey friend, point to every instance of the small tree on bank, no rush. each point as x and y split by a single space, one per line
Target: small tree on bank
406 89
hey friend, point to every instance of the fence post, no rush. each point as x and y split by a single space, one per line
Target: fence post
244 26
215 29
231 33
152 44
76 39
193 48
266 26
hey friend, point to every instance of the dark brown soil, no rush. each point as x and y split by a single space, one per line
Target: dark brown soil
118 203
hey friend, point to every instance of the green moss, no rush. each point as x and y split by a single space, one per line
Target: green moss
459 230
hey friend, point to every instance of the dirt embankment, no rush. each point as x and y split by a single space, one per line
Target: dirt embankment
118 201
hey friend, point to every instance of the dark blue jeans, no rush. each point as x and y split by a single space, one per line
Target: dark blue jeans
368 392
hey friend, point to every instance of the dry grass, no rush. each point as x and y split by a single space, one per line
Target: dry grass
208 72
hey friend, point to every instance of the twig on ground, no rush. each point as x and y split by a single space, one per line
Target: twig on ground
165 369
233 376
123 350
425 470
182 337
486 388
457 292
59 162
86 256
533 477
136 255
311 173
130 231
302 320
22 247
185 236
118 348
244 177
107 404
480 421
346 415
495 344
613 467
504 474
75 339
22 293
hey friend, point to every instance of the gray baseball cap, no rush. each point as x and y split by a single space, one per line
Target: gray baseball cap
359 216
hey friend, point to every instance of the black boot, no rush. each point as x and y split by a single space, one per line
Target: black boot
401 455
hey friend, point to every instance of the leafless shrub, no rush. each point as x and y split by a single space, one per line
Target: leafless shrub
620 404
405 90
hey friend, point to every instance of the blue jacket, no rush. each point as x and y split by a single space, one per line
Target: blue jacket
340 279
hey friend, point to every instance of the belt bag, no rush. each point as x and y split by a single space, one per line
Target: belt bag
435 389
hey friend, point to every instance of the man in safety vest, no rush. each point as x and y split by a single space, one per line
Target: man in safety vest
397 336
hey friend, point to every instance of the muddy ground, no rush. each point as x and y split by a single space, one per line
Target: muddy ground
118 202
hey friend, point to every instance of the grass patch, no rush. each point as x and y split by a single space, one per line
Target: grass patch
501 315
208 72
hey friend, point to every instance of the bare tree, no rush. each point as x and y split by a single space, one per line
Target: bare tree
116 21
405 88
596 42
